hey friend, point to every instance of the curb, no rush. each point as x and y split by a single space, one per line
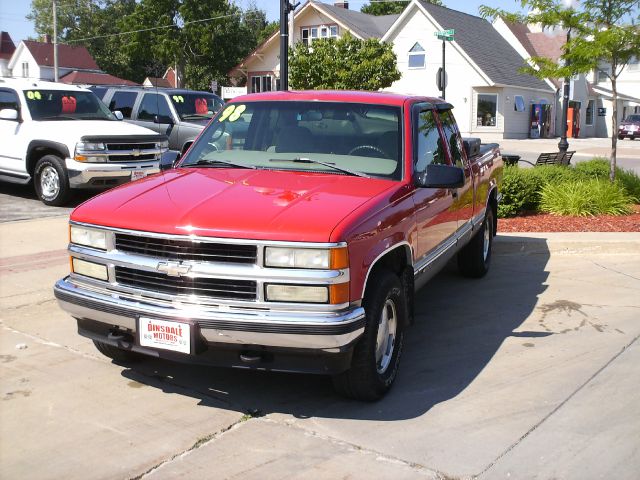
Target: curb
581 243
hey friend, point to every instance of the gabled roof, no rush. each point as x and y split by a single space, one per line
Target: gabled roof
93 78
539 44
69 56
362 24
7 47
158 82
498 60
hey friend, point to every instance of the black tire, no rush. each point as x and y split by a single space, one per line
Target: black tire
474 259
117 354
370 377
51 181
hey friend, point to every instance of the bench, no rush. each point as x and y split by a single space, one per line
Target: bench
551 158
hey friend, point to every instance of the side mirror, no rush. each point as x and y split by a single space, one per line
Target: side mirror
118 115
440 176
169 159
163 119
9 114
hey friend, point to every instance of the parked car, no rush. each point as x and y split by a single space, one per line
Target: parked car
298 249
630 127
64 138
178 113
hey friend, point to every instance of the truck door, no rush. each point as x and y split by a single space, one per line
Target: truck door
436 220
154 112
463 197
12 147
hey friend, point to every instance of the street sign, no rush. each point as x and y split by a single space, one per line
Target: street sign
441 79
445 34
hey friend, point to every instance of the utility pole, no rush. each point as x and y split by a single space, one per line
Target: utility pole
55 43
441 79
285 8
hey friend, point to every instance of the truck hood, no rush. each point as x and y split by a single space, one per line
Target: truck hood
234 203
69 132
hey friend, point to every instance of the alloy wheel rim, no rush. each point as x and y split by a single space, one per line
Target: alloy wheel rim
487 239
386 338
49 182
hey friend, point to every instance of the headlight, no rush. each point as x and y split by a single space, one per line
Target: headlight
88 237
164 145
90 146
297 293
321 258
89 269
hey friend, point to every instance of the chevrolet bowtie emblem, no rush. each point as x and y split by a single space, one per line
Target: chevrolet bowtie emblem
173 269
135 152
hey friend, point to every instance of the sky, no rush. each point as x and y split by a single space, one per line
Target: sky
13 12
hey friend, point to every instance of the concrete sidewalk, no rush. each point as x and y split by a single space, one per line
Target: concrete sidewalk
528 373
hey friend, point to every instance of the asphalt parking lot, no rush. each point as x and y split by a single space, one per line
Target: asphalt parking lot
529 373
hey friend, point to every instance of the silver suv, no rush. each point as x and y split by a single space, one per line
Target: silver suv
179 114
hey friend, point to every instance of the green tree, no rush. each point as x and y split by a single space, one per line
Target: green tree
389 7
345 63
602 32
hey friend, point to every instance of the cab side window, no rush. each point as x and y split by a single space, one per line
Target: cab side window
153 104
452 137
430 148
123 101
9 99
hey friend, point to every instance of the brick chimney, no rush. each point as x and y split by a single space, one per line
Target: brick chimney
47 38
343 4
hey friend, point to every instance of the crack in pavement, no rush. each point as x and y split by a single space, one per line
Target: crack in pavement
615 271
558 407
43 341
200 442
360 449
31 304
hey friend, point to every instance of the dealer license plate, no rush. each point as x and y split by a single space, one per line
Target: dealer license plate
165 335
137 174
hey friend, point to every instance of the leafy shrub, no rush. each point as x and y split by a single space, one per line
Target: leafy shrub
522 187
599 168
585 197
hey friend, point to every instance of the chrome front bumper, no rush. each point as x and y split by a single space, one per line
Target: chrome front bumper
84 175
327 331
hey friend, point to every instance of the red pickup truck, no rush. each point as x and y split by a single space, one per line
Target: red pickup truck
291 236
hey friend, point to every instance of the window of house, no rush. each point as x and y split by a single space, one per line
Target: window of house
123 101
487 109
153 104
25 69
634 63
309 34
518 103
590 106
261 83
602 76
416 56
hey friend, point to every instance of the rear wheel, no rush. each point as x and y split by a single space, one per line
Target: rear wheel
475 258
376 357
117 354
51 181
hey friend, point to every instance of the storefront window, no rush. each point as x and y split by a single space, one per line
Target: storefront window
487 109
589 119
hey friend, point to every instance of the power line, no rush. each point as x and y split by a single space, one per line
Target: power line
162 26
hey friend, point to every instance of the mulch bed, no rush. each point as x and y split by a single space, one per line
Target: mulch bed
544 222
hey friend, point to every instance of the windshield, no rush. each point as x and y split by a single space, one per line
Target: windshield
66 105
633 118
327 137
196 105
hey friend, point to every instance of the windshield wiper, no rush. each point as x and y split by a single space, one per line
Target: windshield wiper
57 117
217 163
318 162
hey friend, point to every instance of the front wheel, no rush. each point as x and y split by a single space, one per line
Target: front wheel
51 181
475 258
376 357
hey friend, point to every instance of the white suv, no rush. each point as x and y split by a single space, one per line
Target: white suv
63 137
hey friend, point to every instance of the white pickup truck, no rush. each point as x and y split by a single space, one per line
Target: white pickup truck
63 138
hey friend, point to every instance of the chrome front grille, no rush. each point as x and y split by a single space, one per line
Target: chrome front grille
186 249
181 286
132 152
